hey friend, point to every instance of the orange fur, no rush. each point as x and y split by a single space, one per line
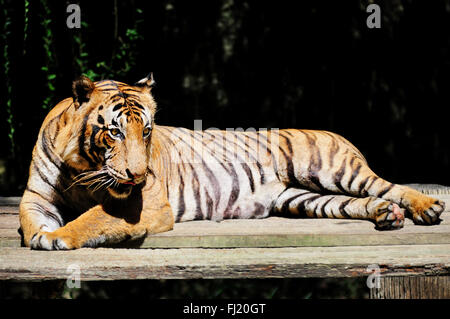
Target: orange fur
101 173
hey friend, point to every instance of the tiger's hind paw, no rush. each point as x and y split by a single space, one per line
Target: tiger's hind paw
430 215
47 241
389 216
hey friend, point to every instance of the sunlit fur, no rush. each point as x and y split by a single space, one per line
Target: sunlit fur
103 172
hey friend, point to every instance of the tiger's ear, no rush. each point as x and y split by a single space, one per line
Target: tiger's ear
82 89
146 83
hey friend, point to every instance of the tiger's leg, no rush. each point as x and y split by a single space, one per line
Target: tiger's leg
143 212
424 209
327 162
37 214
385 214
362 182
96 226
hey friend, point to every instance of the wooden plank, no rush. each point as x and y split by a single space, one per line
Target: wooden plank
10 201
272 232
184 263
414 287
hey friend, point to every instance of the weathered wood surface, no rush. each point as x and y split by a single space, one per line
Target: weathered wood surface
183 263
268 248
271 232
412 287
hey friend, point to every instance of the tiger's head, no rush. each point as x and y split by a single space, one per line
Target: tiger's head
114 134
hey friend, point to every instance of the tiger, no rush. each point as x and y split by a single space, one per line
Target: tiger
102 173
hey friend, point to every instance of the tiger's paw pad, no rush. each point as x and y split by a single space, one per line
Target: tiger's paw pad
45 241
390 216
431 215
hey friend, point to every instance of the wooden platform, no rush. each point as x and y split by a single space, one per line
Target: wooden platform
270 248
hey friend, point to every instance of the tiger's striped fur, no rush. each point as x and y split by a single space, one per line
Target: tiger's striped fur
103 172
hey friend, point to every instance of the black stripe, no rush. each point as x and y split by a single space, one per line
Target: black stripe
309 200
289 164
342 208
47 213
37 193
81 141
288 142
46 149
366 207
333 149
117 107
285 206
374 178
362 186
315 162
384 191
248 171
181 204
235 189
289 167
262 179
139 106
258 164
94 150
354 174
209 205
337 177
44 179
274 162
322 209
196 189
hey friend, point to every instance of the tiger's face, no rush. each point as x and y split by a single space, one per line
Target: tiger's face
116 133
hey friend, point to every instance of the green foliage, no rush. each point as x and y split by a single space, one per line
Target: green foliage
123 58
25 25
9 118
48 68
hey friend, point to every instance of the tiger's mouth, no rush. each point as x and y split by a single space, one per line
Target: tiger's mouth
107 180
121 190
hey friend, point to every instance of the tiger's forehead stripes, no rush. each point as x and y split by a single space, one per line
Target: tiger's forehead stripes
126 101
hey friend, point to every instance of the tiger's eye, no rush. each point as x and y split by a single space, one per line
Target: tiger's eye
115 132
146 132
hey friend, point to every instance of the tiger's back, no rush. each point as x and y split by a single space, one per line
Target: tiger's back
235 174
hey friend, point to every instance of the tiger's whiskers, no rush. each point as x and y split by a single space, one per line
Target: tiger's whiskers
93 179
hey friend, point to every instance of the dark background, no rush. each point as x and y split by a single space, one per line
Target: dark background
232 64
250 63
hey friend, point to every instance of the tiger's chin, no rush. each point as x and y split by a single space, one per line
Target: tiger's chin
122 191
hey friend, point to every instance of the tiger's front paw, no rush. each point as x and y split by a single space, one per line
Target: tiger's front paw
51 241
389 216
429 215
